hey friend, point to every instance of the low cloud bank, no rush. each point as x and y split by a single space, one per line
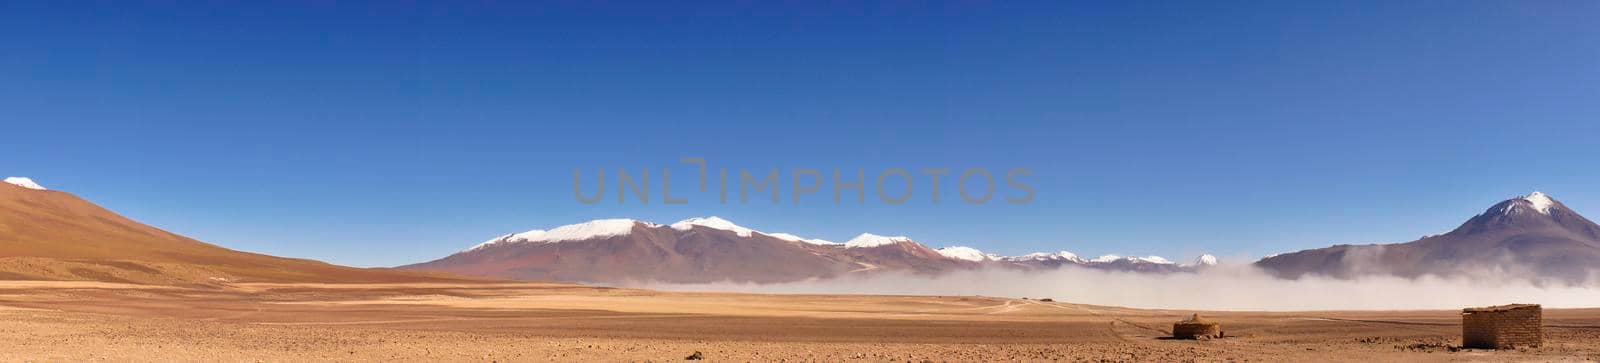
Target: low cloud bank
1244 288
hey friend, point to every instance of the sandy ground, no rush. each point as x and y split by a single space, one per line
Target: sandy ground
60 321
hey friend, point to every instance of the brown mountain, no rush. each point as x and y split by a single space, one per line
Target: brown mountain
53 235
622 250
882 254
1531 236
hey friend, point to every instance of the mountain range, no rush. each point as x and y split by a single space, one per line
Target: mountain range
712 249
1532 236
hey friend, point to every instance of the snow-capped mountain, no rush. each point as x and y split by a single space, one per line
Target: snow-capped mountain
712 249
24 182
899 253
695 250
1533 235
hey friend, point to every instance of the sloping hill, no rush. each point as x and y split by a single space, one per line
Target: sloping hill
54 235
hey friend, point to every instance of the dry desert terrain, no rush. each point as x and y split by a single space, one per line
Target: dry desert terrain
91 321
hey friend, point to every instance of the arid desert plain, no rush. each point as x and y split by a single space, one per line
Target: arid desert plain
95 321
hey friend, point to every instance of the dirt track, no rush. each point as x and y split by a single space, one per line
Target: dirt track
537 322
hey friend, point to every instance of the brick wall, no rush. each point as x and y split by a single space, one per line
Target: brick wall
1504 329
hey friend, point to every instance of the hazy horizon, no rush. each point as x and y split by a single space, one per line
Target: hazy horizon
1228 287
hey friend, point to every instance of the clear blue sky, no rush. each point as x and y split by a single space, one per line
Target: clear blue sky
387 133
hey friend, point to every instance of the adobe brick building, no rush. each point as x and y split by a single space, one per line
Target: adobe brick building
1502 327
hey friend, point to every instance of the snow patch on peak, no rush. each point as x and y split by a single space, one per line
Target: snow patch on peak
1540 202
866 240
24 182
963 253
600 228
1151 259
1205 260
1045 256
497 240
794 238
715 222
591 229
1133 259
712 222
